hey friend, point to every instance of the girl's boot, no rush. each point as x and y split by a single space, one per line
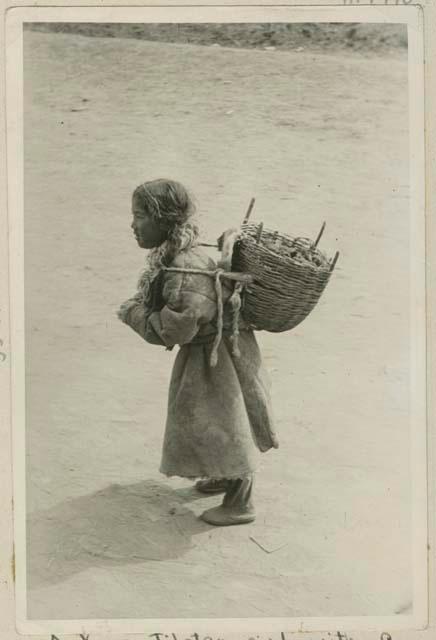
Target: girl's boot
237 506
212 486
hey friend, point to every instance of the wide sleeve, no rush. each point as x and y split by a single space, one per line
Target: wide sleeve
134 313
189 303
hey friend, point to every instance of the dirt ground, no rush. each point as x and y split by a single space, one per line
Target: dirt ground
314 137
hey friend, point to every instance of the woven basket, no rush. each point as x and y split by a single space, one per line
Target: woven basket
290 274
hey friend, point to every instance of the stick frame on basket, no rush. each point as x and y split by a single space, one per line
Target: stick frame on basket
319 235
334 261
249 210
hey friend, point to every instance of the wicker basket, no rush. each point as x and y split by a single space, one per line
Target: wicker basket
290 274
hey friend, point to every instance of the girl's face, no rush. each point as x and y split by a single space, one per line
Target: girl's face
147 232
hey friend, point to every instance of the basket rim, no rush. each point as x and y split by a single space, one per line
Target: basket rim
286 260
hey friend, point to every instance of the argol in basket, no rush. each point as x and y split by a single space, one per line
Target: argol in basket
289 276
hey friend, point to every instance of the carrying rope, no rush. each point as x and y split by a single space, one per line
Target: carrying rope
220 318
235 303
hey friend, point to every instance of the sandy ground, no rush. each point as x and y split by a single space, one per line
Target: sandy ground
313 137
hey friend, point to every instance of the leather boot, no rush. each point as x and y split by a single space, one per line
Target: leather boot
237 506
212 486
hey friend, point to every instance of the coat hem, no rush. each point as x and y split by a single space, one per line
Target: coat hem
232 476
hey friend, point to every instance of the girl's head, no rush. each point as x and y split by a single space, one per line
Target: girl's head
161 211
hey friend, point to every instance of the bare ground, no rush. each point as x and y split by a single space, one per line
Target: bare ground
313 137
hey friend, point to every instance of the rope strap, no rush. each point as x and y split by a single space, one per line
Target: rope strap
220 322
235 303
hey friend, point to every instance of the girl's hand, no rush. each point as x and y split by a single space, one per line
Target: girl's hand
123 312
127 306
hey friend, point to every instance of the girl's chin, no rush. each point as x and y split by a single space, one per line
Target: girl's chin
140 243
144 244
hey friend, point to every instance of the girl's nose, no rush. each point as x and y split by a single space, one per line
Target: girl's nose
133 225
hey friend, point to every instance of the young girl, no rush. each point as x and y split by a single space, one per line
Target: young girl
218 417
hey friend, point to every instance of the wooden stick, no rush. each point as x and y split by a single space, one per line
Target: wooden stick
207 244
335 259
246 278
319 235
249 210
259 233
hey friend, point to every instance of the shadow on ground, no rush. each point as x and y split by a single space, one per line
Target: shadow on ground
146 521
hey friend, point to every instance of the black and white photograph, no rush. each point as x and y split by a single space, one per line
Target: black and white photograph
222 308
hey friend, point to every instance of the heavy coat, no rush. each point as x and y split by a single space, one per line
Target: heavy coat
217 416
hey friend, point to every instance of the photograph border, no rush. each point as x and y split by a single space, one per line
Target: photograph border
413 15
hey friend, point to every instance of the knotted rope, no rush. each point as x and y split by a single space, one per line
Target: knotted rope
235 303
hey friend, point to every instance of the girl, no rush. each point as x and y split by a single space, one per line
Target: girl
218 417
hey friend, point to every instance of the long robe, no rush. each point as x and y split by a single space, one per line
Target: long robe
218 417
